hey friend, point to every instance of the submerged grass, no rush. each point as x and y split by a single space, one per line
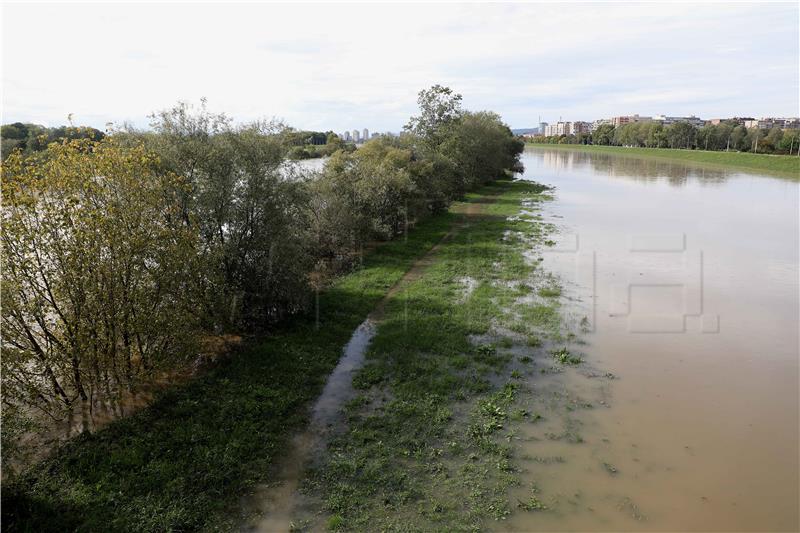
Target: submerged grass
438 454
184 462
783 165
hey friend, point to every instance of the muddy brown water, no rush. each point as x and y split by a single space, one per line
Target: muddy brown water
689 278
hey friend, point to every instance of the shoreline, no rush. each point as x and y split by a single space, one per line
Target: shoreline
784 166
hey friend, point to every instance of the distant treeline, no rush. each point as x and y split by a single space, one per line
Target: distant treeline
723 136
33 138
121 251
311 144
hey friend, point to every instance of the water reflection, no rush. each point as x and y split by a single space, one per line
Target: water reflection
631 167
698 430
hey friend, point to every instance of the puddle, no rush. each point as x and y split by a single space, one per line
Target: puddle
271 506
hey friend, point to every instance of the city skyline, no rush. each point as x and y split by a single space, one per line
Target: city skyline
679 59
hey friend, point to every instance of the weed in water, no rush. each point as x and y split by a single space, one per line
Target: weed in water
564 357
550 292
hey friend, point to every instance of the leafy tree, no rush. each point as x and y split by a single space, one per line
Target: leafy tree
790 142
250 215
738 138
603 134
774 138
751 141
681 135
96 290
439 108
33 138
482 147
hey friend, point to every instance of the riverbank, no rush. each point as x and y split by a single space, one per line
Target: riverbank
781 165
184 462
430 440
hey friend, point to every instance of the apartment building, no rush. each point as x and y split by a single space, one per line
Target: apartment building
579 127
629 119
666 120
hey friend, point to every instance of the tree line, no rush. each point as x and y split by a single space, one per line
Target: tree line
122 251
301 144
725 136
30 138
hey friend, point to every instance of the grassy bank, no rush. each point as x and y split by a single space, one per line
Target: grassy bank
783 165
184 462
430 440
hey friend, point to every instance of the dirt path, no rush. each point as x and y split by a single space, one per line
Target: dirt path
271 506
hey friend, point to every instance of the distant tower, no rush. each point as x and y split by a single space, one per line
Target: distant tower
346 136
365 134
355 136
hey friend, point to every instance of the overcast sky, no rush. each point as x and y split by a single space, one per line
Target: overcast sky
345 66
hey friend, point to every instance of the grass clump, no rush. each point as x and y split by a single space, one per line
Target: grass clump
550 292
565 357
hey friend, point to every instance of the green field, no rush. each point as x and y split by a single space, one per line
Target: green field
783 165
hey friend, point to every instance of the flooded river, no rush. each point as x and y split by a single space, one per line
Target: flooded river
689 279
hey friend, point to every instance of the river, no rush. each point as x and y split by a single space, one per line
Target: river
689 278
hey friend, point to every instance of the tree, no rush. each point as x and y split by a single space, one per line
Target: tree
250 215
738 138
754 135
33 138
706 136
790 143
681 135
97 281
774 138
603 134
656 137
439 108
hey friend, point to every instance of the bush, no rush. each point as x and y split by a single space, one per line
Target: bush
250 215
97 291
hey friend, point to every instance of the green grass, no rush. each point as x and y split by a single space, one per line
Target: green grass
428 440
783 165
429 445
184 462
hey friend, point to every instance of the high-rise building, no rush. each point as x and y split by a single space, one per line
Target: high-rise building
559 128
356 136
346 136
578 127
365 134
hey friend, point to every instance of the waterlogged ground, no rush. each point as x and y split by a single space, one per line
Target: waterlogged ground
434 429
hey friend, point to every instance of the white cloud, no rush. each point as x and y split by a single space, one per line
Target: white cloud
332 66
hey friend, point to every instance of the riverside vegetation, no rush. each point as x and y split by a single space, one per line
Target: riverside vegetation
430 439
727 144
127 251
726 136
784 166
